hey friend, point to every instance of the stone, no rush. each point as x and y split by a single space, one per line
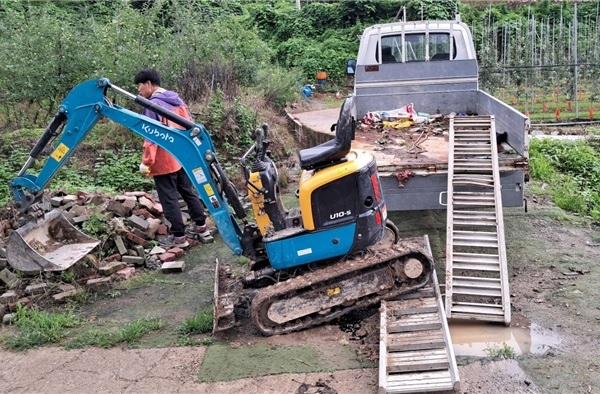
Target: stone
36 289
130 203
9 297
9 318
3 263
97 200
118 208
66 287
173 266
10 279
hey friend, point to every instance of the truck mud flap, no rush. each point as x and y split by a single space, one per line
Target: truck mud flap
50 244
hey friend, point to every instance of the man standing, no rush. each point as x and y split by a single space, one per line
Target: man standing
170 178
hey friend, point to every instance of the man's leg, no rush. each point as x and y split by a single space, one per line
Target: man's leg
166 187
185 189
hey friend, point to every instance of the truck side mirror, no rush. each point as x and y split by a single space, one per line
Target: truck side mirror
351 67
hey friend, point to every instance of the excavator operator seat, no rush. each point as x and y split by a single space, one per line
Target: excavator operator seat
333 151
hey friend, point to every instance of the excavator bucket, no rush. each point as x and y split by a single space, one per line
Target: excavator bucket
50 244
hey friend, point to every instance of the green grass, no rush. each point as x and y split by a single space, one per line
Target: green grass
500 352
38 328
128 333
200 323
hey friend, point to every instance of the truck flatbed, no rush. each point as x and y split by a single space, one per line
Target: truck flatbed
419 149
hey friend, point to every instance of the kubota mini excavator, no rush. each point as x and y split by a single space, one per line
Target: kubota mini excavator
335 253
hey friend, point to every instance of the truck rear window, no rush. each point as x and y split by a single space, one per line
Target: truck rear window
415 48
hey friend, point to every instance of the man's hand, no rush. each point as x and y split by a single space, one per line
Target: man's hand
144 169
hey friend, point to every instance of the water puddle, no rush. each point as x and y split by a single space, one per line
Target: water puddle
472 338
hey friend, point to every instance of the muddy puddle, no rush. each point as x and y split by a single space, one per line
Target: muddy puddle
479 339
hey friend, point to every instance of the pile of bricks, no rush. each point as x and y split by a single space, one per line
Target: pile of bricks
135 222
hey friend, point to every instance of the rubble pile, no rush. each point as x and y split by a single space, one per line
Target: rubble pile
128 227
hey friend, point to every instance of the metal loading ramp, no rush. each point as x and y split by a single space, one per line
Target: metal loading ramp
415 350
476 266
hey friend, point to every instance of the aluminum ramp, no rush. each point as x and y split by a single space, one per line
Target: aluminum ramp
415 350
476 266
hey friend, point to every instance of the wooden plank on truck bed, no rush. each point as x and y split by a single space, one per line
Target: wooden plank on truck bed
415 349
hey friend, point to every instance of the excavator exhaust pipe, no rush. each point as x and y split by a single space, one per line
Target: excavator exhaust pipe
50 244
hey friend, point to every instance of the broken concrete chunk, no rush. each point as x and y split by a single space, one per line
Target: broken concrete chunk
157 250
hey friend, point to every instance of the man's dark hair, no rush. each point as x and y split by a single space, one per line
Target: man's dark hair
147 74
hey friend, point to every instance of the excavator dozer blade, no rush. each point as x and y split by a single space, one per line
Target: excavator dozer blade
50 244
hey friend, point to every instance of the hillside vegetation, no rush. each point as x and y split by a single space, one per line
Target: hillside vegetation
238 63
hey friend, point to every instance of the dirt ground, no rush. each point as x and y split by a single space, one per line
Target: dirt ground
553 260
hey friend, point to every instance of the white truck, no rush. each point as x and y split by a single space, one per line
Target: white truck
432 66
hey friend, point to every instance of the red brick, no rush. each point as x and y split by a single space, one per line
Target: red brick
178 251
143 212
167 257
137 240
12 306
86 278
157 209
194 242
113 257
126 273
162 230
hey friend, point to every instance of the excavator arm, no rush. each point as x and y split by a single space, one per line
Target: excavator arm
192 147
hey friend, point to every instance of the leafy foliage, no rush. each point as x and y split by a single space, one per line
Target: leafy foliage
572 169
